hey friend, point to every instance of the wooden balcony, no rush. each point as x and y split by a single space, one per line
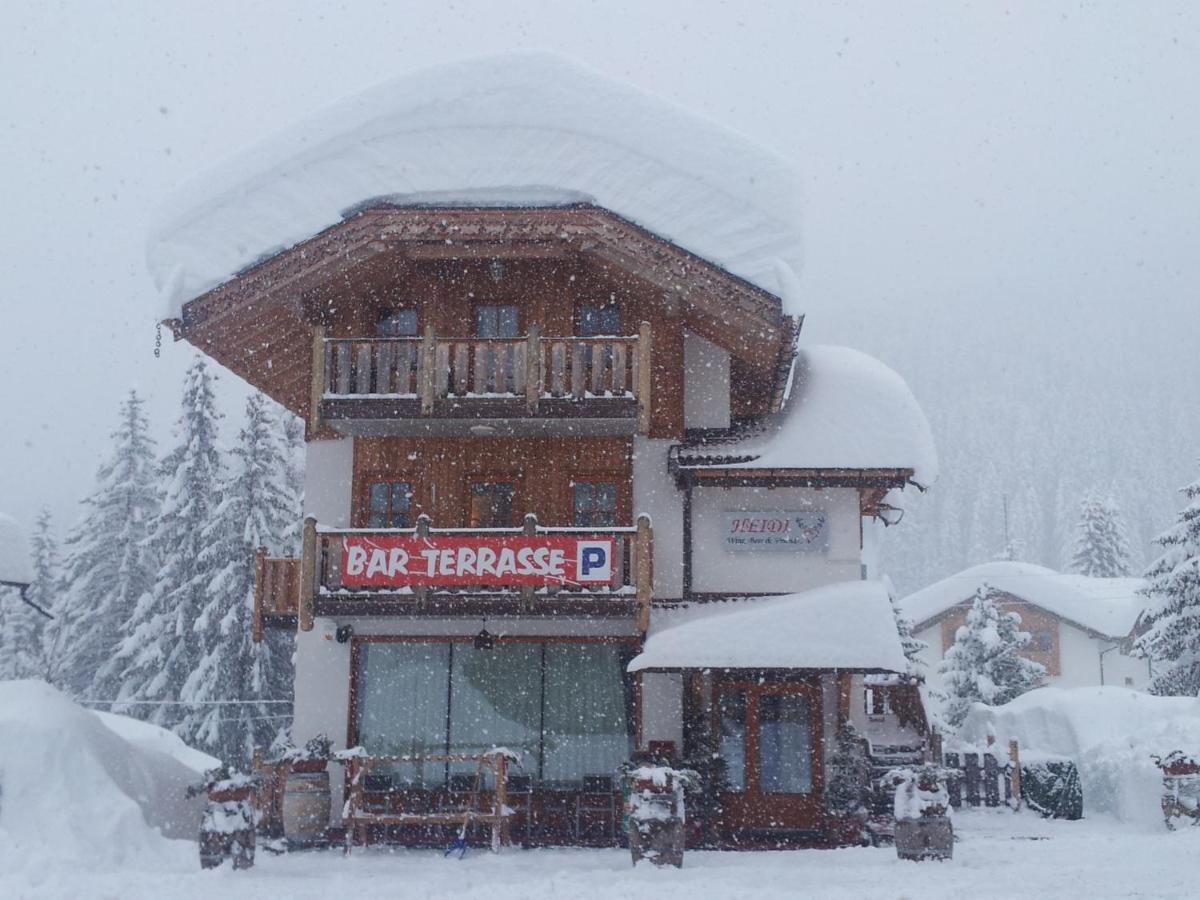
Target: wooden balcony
325 587
276 593
376 385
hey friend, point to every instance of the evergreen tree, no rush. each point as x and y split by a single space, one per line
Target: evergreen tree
1101 547
107 565
984 664
258 509
1172 635
21 625
160 649
908 641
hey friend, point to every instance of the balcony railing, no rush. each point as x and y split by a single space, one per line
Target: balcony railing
411 571
594 377
276 592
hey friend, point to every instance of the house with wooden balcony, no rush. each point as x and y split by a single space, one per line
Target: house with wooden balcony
575 485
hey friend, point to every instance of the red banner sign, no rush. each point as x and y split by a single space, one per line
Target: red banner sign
464 560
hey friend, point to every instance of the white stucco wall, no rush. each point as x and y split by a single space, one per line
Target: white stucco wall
662 708
328 477
706 384
655 494
1078 656
717 569
322 698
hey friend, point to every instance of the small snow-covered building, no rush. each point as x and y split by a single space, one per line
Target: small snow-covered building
574 485
1080 627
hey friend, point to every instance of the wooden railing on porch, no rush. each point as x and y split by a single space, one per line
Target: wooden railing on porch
276 592
321 567
534 368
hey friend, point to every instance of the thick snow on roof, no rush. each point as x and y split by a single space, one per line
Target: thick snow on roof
526 129
1109 606
846 410
841 626
15 564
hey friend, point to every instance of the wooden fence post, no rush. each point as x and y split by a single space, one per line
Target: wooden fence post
954 786
644 571
317 391
533 369
991 780
308 575
645 377
426 374
1014 775
971 773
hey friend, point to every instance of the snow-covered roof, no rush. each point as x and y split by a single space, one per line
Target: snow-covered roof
15 564
846 410
1108 606
527 129
840 626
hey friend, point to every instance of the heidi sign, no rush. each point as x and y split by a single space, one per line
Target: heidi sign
462 561
803 530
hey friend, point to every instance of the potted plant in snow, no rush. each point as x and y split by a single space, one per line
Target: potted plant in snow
306 799
1181 788
922 810
228 824
654 811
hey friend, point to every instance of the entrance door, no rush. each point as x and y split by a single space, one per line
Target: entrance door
770 741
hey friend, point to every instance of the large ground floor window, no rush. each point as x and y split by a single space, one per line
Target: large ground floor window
566 708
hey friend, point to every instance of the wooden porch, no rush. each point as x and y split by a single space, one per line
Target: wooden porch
361 385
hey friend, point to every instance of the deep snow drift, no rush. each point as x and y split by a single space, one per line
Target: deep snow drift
1110 732
523 129
74 792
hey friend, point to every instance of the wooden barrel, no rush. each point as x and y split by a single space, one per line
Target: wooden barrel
306 807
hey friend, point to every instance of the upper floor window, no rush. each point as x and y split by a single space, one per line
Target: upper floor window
598 318
389 504
878 701
496 321
396 323
595 504
491 504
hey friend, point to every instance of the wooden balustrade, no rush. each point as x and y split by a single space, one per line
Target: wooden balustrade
535 368
276 592
324 559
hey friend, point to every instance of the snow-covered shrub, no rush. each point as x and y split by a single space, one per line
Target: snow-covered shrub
920 792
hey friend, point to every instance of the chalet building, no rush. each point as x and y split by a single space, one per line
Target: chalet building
575 485
1081 629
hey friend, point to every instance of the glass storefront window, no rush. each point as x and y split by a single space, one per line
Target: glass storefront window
784 744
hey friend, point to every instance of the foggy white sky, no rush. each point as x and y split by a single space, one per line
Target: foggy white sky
1019 181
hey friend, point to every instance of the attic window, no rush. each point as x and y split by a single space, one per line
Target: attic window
598 319
394 323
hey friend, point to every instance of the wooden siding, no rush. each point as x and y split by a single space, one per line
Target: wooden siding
543 469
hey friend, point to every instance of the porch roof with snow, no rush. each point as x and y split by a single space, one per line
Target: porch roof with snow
845 411
848 626
1108 607
526 129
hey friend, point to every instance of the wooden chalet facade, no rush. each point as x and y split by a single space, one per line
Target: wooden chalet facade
539 438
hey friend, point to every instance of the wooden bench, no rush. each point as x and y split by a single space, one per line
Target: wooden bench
357 817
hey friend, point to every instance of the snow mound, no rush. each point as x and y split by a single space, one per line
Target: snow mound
1110 733
846 410
524 129
840 626
15 564
1108 606
74 792
149 737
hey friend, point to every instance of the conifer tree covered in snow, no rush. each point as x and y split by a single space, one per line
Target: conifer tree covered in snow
908 641
1172 638
1101 547
258 509
107 566
160 649
984 664
21 625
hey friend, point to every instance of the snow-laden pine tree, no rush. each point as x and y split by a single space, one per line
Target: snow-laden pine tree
984 664
1172 638
160 649
21 625
911 645
107 565
1101 548
258 509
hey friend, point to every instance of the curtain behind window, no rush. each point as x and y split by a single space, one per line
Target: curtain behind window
495 701
586 729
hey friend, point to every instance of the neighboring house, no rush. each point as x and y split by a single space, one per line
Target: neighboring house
570 487
1080 627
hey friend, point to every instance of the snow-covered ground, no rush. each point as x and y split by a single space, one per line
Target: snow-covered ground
999 854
